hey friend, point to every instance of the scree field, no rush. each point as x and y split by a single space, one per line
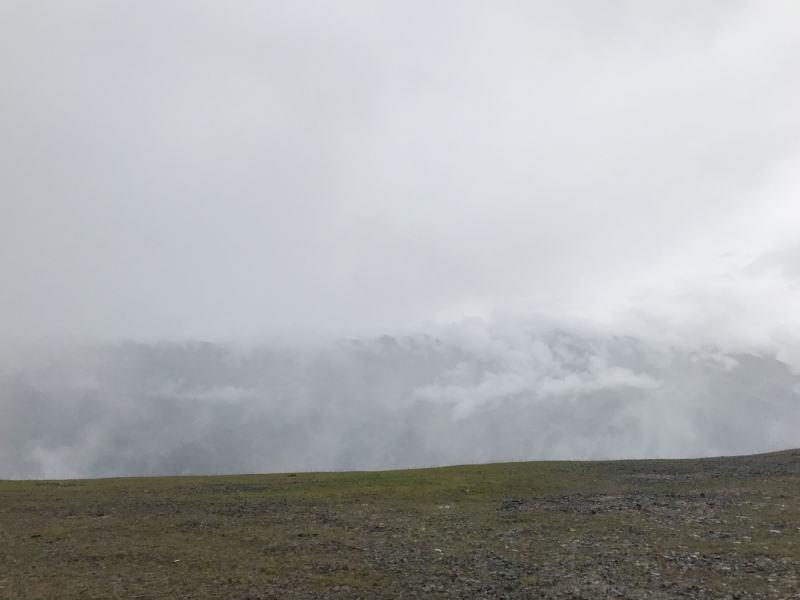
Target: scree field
707 528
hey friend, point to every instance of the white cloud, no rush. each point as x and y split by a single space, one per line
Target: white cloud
218 171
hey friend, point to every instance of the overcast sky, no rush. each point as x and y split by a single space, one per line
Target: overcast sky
579 221
219 170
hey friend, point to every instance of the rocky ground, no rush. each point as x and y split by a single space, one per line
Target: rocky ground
712 528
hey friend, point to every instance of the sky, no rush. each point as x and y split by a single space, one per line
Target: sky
246 173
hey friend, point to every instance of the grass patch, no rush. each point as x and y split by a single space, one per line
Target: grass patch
721 528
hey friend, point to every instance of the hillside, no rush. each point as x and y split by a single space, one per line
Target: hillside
705 528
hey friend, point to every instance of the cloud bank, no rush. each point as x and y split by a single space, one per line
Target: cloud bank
477 392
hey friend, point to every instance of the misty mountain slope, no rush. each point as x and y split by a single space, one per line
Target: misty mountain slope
468 395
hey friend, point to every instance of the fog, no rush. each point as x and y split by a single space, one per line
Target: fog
249 236
478 392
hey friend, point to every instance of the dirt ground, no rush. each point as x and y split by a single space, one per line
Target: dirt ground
710 528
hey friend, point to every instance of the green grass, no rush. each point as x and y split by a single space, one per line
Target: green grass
722 528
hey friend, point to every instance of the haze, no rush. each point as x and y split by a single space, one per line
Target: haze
426 197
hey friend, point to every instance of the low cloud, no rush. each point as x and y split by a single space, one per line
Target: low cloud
474 391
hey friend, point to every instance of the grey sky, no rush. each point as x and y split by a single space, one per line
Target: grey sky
227 169
577 222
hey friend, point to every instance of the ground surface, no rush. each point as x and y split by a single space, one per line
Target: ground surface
712 528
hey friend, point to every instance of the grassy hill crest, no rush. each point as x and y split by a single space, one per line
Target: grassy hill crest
715 527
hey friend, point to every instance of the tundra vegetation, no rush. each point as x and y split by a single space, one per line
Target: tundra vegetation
700 528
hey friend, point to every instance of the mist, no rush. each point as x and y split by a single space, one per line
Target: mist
479 392
265 236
